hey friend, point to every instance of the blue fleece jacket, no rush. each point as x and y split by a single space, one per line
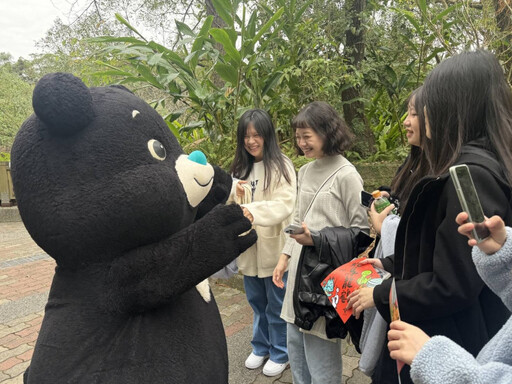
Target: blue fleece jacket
443 361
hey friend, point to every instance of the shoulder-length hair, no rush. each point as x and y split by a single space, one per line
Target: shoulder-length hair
467 98
416 165
326 122
273 159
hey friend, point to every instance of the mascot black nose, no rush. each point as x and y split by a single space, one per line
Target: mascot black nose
63 102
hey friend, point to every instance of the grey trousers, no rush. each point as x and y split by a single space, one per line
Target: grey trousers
313 360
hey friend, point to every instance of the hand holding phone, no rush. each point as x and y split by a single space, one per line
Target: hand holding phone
496 239
293 229
469 201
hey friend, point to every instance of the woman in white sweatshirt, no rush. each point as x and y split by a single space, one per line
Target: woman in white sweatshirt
260 165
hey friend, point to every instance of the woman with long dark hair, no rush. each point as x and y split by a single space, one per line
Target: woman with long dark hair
468 120
415 166
269 192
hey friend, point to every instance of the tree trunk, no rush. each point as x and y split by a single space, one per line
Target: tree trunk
210 10
354 54
504 24
216 23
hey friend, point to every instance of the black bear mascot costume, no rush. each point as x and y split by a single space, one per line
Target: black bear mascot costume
135 226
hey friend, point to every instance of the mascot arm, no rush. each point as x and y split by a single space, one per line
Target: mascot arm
219 193
150 276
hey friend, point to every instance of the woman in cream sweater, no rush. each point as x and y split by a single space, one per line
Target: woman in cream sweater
267 183
328 196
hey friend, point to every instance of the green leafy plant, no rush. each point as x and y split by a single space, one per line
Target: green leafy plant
214 76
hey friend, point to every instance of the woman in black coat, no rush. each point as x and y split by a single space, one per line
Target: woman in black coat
468 120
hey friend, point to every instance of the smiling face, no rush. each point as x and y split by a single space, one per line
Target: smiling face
310 143
196 178
253 143
412 124
125 156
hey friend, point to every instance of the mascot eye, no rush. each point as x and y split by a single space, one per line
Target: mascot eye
156 149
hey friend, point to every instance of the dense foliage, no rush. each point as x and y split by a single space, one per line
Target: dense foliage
216 58
16 106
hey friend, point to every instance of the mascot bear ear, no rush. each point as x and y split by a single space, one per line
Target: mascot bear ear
64 103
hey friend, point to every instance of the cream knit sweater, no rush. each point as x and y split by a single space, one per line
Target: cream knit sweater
337 204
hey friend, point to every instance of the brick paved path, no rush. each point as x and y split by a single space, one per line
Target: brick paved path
25 277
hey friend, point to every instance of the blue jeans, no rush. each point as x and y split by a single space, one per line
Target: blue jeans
269 330
313 360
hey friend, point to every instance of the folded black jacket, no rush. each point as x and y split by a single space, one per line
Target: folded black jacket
333 247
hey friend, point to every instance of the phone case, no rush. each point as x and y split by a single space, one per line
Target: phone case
293 229
469 200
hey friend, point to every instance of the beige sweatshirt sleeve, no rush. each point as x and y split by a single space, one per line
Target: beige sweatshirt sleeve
280 204
232 194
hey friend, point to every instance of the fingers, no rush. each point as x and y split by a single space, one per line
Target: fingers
359 300
396 344
461 218
277 278
394 335
355 304
394 350
353 298
386 211
398 325
246 241
396 355
465 229
279 270
472 242
375 262
248 214
240 192
495 225
357 311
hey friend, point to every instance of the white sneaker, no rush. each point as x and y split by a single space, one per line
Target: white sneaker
274 369
254 361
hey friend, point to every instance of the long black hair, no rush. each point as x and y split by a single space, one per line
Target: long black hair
467 98
325 121
273 159
416 165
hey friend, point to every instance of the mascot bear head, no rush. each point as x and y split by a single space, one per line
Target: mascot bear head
97 172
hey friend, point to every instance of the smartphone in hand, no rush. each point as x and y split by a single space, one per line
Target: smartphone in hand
293 229
469 200
366 199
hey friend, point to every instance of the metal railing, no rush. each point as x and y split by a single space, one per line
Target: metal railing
7 197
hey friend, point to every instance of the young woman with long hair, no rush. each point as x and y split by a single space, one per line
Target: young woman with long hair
270 199
468 120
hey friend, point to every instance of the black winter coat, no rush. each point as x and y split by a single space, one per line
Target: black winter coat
438 287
